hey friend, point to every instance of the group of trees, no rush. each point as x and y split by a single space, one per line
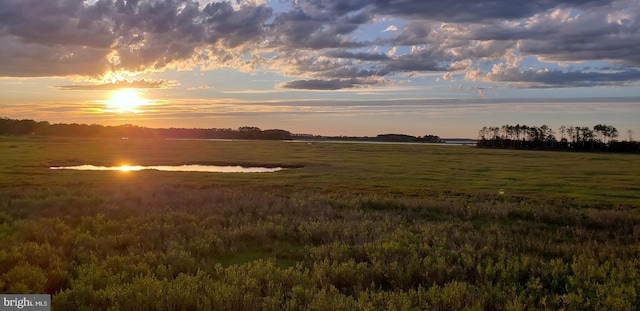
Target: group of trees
601 137
394 138
409 138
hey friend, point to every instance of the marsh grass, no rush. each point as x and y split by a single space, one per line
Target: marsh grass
362 227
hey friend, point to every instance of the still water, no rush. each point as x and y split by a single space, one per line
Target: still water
172 168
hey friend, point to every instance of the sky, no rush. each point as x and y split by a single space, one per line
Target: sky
324 67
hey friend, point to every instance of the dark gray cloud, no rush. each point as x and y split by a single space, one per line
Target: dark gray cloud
447 11
563 35
324 43
298 29
21 59
138 84
358 55
317 84
474 11
69 37
66 22
331 7
331 84
464 33
556 78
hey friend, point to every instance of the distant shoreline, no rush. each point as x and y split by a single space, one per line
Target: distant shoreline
446 142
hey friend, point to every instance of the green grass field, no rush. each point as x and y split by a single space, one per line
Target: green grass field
347 227
586 178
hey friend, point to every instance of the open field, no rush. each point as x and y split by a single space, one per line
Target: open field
597 178
352 226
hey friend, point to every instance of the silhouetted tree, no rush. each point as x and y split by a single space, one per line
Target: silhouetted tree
562 130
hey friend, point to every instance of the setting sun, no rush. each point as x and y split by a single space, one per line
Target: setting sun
126 101
128 168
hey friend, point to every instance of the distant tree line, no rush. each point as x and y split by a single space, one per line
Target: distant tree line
44 128
399 138
601 137
409 138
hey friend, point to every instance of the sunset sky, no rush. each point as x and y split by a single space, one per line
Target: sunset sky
328 67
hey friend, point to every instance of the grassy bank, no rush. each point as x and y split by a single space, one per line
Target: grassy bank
356 226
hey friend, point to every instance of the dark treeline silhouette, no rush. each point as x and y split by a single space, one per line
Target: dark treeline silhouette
397 138
44 128
408 138
577 138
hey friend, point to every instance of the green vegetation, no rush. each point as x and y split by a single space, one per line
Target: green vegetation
355 227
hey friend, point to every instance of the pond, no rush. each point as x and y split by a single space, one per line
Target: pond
172 168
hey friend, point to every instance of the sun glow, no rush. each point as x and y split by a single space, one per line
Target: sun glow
126 101
129 168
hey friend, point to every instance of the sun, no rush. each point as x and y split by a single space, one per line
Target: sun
128 168
126 101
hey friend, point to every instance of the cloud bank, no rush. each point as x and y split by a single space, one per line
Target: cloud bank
328 44
137 84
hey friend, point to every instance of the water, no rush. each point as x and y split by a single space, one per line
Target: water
172 168
373 142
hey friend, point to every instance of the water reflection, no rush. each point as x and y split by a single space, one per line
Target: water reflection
172 168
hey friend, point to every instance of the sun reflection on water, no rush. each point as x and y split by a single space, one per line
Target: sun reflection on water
172 168
128 168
